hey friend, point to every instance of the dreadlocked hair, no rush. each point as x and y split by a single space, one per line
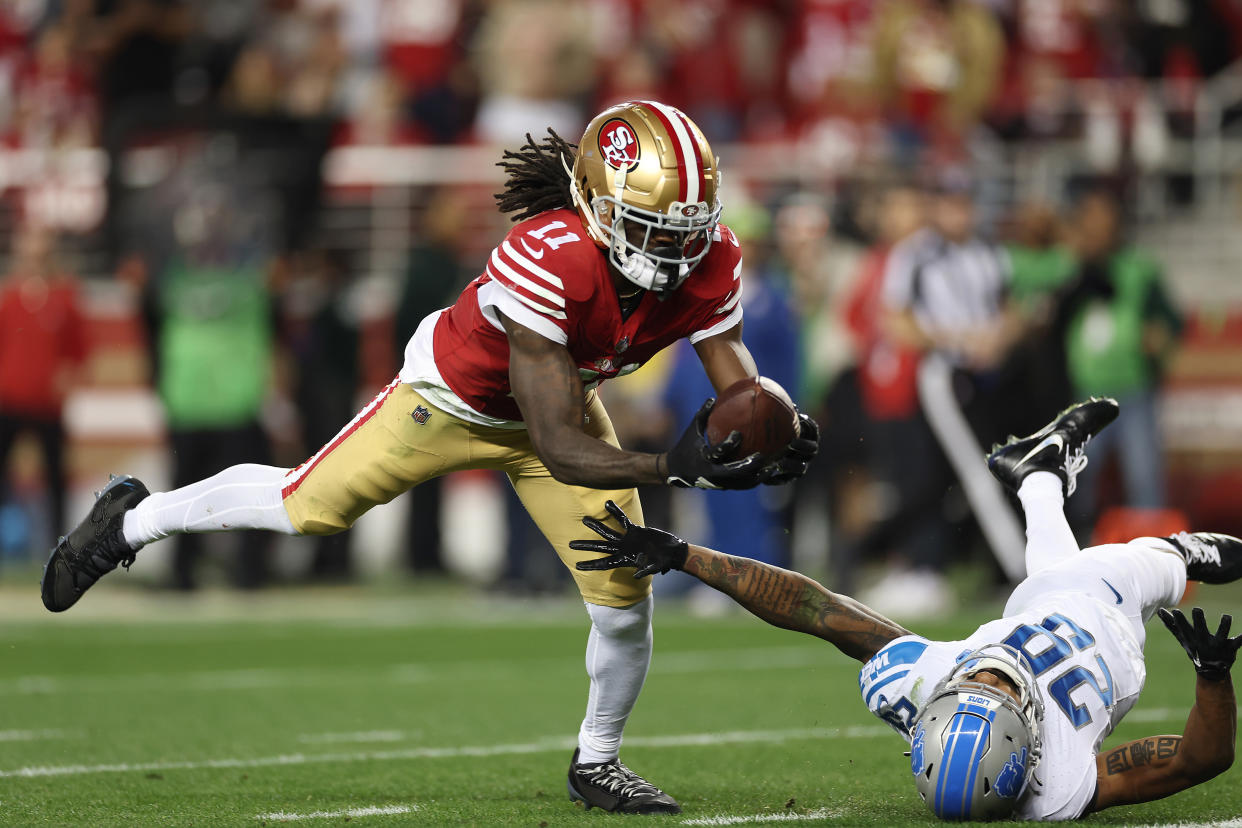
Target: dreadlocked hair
536 180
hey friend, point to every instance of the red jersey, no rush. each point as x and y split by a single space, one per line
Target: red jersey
41 332
548 275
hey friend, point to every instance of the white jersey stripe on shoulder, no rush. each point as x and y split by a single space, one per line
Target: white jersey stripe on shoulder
685 150
529 266
516 290
725 324
728 306
499 265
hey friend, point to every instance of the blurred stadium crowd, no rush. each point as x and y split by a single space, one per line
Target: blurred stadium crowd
222 218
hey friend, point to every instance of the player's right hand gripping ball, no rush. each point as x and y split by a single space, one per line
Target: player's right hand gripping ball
1213 654
697 462
761 411
647 549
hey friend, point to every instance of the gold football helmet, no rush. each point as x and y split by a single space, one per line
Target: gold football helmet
644 170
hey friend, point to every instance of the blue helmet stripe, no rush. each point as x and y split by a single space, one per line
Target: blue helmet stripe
966 741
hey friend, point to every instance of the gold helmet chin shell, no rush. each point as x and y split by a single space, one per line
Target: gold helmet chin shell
648 156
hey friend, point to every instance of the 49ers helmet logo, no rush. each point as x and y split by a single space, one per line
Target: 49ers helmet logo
618 145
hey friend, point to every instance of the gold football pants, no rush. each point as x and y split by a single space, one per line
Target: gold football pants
399 440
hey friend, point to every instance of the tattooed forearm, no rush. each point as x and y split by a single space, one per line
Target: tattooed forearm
795 602
1142 752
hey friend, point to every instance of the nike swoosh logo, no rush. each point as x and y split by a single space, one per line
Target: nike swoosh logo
1115 592
532 253
1051 439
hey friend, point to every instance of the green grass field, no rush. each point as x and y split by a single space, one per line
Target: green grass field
436 706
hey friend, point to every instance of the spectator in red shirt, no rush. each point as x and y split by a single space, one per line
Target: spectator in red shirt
41 348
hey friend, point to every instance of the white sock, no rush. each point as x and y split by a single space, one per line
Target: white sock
1048 535
240 497
617 657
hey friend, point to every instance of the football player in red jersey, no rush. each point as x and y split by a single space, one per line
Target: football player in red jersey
617 253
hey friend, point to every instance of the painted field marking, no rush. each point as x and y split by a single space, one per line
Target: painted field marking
787 816
1229 823
359 736
38 735
542 746
686 661
373 810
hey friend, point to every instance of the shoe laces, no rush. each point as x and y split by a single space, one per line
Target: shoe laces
1074 464
1196 549
618 780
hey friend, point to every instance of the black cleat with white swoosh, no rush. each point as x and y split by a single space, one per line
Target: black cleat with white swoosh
94 548
614 787
1059 447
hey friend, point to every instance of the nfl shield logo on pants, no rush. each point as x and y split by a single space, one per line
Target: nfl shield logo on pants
420 415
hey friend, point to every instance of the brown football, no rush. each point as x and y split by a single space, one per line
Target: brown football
761 410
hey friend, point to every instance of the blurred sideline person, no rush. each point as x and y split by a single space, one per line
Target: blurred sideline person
1121 327
42 347
1008 721
617 254
946 294
901 514
212 333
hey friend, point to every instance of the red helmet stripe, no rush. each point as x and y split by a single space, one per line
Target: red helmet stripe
688 184
698 160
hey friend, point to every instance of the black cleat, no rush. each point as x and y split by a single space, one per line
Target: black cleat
614 787
94 548
1210 558
1059 447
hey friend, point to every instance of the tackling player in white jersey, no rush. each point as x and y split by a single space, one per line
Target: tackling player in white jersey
1008 722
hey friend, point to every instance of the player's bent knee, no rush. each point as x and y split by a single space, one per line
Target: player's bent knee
308 520
622 623
318 528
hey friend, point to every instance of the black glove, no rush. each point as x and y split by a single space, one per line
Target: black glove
694 462
798 456
1212 653
650 550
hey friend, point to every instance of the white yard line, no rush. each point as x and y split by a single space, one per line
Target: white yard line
1229 823
783 816
687 661
37 735
373 810
359 736
542 746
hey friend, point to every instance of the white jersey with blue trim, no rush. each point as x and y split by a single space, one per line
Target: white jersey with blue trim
1088 670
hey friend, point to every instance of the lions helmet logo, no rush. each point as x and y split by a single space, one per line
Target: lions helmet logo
1009 780
916 750
618 145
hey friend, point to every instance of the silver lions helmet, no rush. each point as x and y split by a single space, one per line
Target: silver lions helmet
974 747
